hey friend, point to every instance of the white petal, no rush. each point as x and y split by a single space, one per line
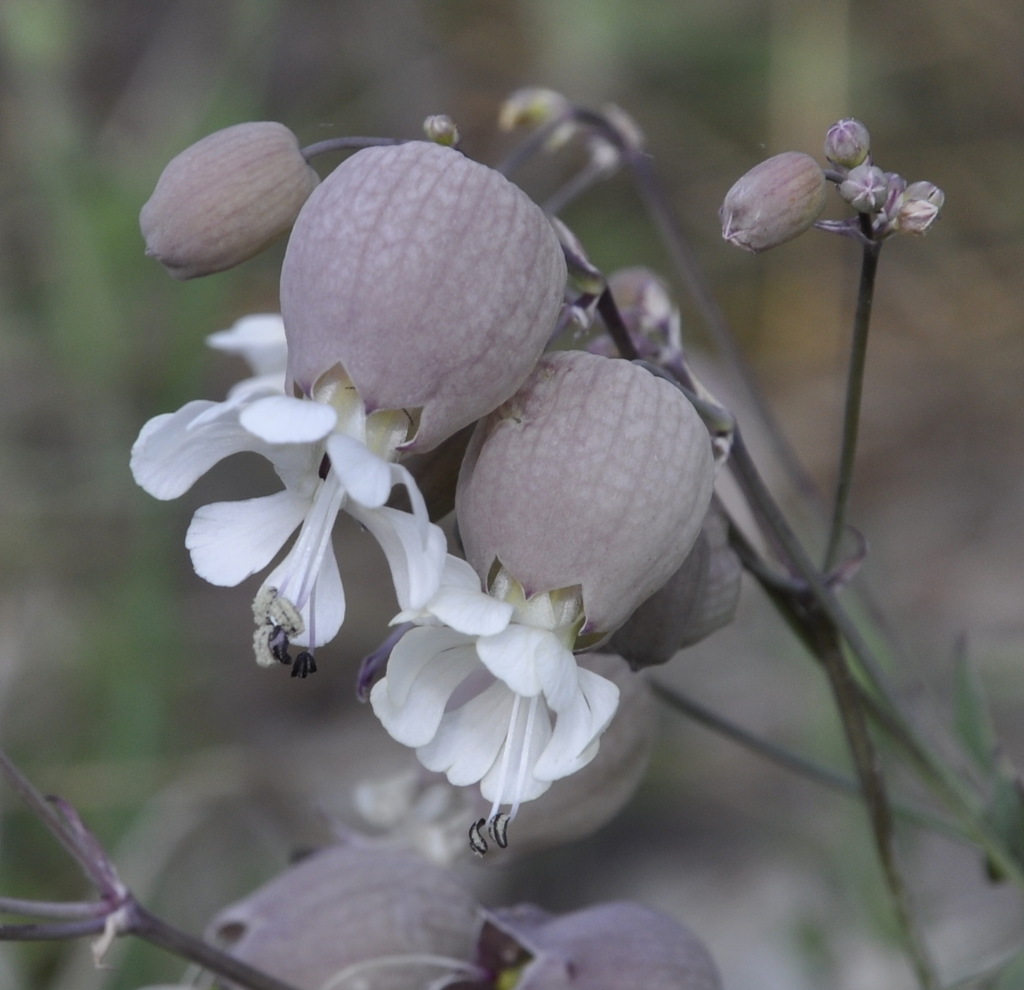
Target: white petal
415 720
364 476
578 728
469 739
169 456
229 541
411 654
530 661
415 550
470 611
283 419
259 338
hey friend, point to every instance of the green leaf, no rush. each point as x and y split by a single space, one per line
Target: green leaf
972 719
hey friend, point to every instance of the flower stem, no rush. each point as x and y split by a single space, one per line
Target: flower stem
793 761
854 392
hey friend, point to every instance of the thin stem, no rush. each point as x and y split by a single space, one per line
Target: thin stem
346 144
793 761
872 783
158 932
53 909
854 391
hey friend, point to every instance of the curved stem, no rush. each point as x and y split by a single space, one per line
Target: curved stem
854 391
346 144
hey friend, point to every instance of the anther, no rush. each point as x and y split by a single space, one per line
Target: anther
304 665
497 828
477 842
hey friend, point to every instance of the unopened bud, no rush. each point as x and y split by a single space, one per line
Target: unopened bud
532 106
225 198
441 129
865 188
847 143
919 207
774 202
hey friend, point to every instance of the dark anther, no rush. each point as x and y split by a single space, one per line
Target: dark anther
278 643
304 665
477 842
497 828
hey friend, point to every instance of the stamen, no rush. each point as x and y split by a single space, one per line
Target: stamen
497 828
524 756
304 665
477 842
506 758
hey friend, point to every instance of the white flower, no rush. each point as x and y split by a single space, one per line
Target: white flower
487 690
330 456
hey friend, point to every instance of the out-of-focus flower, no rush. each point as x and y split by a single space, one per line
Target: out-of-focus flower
578 497
357 915
847 143
225 198
330 455
606 947
695 601
774 202
428 280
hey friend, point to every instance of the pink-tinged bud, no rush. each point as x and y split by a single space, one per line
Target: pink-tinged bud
918 208
695 601
372 912
605 947
225 198
429 279
774 202
596 475
847 143
865 188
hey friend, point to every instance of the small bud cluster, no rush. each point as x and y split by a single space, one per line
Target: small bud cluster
784 196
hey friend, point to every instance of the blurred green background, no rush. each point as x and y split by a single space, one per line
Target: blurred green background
126 684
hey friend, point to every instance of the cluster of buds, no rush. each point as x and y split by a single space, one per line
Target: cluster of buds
785 195
419 290
363 915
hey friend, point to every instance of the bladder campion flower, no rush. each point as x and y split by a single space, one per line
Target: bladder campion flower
577 499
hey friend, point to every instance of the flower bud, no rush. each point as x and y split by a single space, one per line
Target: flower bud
225 198
774 202
353 909
695 601
918 207
431 280
441 129
847 143
865 188
595 475
605 947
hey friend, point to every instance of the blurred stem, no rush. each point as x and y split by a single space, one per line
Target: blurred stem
789 760
872 785
854 392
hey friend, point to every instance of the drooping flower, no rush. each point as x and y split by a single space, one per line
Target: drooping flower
577 499
430 280
330 455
